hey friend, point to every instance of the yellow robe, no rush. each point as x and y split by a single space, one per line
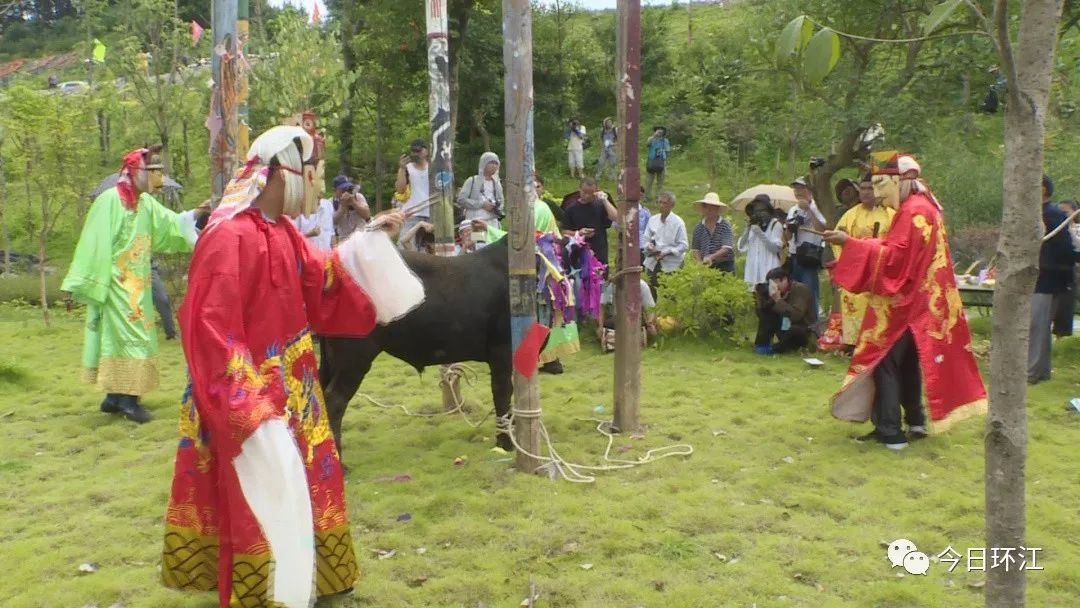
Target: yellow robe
859 223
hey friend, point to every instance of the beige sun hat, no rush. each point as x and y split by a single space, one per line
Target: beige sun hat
713 200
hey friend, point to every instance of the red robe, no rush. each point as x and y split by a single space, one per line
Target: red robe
910 277
256 293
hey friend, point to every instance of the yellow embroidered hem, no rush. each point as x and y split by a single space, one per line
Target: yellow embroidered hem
124 376
975 408
190 562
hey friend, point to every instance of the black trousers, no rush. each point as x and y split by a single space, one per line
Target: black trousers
769 324
899 385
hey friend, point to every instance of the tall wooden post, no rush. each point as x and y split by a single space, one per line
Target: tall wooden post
243 37
223 119
441 172
518 108
627 292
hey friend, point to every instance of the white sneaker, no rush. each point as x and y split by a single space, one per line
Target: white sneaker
896 446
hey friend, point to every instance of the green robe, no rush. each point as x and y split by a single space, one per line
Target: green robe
111 275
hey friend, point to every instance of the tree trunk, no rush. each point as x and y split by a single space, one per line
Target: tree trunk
42 239
461 16
821 178
3 216
348 60
689 22
1018 254
380 143
187 149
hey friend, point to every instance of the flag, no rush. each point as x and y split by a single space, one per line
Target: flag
99 51
528 351
316 17
196 32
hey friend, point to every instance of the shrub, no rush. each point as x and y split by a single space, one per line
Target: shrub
26 288
703 301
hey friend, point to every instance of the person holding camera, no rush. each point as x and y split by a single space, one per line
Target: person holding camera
785 311
762 241
351 211
575 148
804 245
412 185
481 196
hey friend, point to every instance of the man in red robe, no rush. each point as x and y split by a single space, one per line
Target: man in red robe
914 319
257 507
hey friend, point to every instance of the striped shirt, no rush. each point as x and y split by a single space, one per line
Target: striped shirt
707 243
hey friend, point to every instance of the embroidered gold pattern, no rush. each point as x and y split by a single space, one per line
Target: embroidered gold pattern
134 266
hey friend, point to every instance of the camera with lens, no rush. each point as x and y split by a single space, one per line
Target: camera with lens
762 218
816 162
795 223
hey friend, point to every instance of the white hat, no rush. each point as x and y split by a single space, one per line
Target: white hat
907 163
713 200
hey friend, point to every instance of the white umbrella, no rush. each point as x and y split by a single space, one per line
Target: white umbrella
783 197
170 185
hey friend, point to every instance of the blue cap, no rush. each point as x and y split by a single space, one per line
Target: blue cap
341 182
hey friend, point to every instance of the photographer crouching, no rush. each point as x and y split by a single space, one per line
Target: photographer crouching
785 310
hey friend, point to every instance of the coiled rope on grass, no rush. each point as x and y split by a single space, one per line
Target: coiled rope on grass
554 462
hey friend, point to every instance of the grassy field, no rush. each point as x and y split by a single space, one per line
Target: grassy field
776 507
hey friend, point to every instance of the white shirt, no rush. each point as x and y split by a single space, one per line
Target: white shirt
762 249
607 296
323 217
804 236
669 237
420 190
577 140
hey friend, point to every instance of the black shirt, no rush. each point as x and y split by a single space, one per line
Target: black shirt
591 215
1056 257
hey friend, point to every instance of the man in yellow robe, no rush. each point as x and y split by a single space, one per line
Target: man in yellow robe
868 219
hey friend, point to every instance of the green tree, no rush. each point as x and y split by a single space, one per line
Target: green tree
52 142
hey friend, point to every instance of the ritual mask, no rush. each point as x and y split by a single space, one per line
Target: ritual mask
155 173
887 190
314 185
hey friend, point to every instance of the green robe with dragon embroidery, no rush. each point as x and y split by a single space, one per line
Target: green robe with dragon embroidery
111 275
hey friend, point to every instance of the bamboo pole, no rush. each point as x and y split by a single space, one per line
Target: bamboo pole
223 116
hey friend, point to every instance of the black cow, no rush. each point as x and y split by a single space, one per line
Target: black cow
465 317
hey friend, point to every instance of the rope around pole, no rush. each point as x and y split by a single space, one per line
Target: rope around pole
569 471
626 271
449 376
572 472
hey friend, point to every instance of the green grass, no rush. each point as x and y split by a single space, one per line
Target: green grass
80 486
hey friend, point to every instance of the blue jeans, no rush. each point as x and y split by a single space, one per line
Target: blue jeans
161 303
808 277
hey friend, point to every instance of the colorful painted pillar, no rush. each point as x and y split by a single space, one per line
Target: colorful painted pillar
441 173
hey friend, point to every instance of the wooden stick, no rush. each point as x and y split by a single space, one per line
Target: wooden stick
1061 226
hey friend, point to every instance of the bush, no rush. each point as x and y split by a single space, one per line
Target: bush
703 301
26 288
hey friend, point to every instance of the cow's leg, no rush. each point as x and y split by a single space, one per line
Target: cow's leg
349 361
502 388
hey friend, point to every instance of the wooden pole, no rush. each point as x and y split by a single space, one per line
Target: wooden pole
223 118
441 172
518 109
627 292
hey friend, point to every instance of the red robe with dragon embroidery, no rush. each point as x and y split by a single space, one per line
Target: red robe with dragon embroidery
909 276
256 293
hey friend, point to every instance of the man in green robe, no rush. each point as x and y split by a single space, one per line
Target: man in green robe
110 274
